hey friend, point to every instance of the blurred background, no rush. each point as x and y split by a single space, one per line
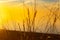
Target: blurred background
19 15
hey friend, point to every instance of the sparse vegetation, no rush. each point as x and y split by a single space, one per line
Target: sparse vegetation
31 24
49 27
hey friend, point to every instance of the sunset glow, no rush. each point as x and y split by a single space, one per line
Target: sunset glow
15 12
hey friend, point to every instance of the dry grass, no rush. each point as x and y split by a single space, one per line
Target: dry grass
31 26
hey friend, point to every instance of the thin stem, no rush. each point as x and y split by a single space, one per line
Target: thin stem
19 26
24 25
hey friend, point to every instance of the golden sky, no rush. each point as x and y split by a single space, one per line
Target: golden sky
11 12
